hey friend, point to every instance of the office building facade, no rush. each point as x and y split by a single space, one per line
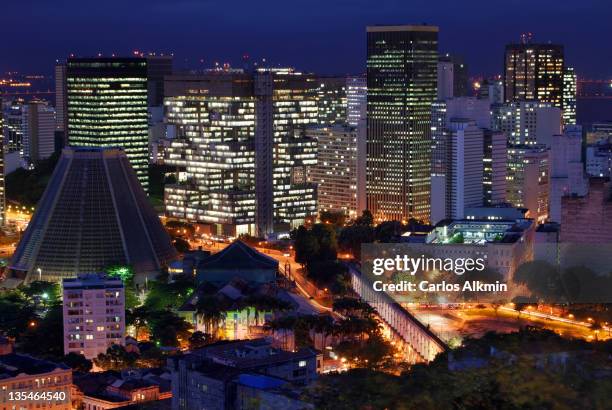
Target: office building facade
39 131
459 185
332 100
241 140
566 169
527 181
527 122
106 100
335 172
402 84
495 160
534 72
570 83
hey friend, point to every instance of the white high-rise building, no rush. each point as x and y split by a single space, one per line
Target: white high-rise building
38 131
528 180
528 122
356 100
447 116
477 110
566 169
461 184
94 314
495 161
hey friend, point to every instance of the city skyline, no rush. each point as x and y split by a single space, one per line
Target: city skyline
395 196
339 47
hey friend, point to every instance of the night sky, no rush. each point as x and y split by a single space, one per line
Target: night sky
325 36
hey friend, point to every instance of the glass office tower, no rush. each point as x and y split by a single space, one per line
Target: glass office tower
402 85
107 107
534 72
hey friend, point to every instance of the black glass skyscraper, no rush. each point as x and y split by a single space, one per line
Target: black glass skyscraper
534 72
402 83
107 107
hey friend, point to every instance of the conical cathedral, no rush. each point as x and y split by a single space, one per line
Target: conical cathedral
93 214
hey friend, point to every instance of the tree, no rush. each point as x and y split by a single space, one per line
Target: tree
45 338
212 312
77 362
351 237
164 295
42 292
306 245
387 231
199 339
326 238
366 219
16 314
151 357
27 186
541 278
168 329
138 317
181 245
116 358
336 219
353 306
126 274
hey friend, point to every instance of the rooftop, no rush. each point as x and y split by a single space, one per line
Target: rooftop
11 365
238 256
253 353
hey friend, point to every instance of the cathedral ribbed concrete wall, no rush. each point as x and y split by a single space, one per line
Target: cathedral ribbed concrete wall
94 213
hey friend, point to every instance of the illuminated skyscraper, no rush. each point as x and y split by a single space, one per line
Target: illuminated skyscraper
453 77
534 72
107 107
402 80
356 100
331 100
215 145
157 68
569 96
2 184
13 124
494 171
61 120
240 139
567 175
39 131
459 185
335 172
